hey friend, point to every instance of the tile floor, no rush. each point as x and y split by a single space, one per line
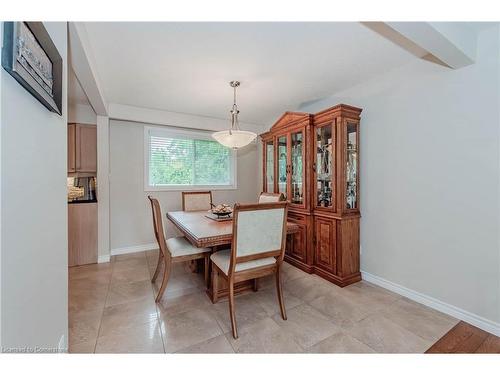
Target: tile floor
112 310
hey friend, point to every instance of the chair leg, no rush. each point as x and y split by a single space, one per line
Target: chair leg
215 285
255 285
166 275
231 309
207 271
280 292
158 265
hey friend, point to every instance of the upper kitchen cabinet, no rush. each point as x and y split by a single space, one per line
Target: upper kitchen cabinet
82 148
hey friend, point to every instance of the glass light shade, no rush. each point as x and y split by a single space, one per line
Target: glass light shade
234 138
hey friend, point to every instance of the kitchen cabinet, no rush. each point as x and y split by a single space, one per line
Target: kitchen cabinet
82 148
315 164
71 148
82 233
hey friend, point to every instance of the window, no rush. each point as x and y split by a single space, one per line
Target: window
186 160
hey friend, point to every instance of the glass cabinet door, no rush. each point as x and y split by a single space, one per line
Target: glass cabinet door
282 164
325 153
269 167
352 165
297 172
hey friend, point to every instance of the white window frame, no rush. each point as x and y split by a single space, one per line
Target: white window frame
171 132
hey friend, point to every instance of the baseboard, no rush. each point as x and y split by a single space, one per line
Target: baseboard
103 258
134 249
62 347
471 318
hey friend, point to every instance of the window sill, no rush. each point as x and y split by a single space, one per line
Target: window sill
189 188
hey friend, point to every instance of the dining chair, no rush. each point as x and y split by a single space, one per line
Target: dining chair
196 200
257 250
271 197
173 250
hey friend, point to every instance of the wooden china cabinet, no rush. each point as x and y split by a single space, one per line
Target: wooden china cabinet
314 161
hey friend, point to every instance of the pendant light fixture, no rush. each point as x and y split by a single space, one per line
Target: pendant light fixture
234 137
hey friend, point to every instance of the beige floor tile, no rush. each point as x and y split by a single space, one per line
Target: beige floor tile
188 328
152 256
268 300
84 326
247 312
143 338
125 257
176 305
306 325
152 253
89 283
86 347
179 285
369 295
130 264
308 288
419 319
340 343
113 304
91 271
267 282
218 344
128 292
139 273
385 336
264 336
290 273
87 299
341 310
119 318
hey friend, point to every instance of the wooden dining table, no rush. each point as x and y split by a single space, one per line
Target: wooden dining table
201 230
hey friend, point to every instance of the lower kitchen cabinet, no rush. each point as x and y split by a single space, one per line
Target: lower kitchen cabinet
82 233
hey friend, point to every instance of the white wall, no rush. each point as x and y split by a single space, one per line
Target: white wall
430 178
34 227
130 211
81 113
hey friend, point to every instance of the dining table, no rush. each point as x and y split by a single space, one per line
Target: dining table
203 229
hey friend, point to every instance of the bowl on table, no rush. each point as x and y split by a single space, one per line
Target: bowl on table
222 210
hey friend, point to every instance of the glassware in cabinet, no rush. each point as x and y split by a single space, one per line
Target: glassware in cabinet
351 165
297 170
282 164
325 146
269 166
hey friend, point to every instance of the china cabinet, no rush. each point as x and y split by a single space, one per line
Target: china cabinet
313 159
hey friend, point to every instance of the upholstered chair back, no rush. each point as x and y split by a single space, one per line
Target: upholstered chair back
271 197
158 226
259 231
196 200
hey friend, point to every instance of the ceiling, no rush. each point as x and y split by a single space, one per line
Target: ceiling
186 67
76 95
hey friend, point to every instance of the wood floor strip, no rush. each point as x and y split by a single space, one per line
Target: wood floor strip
490 345
465 338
